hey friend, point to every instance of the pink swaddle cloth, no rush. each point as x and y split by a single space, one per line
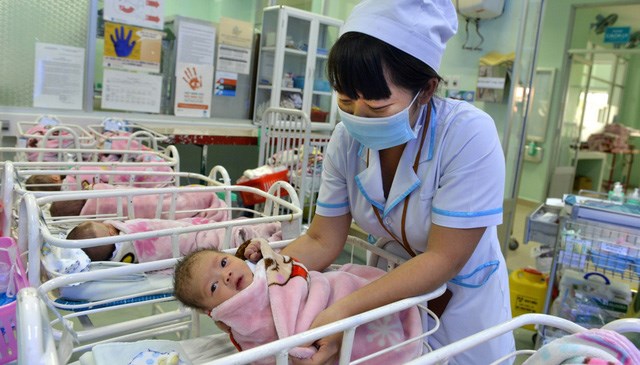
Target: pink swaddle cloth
202 204
118 140
66 141
284 299
158 248
595 346
133 179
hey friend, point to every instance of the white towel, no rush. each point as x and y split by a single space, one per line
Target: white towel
161 352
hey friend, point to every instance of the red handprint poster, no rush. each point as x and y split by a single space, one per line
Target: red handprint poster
194 83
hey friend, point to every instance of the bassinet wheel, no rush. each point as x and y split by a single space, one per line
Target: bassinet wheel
513 244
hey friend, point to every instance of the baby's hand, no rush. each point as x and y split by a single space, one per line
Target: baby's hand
252 252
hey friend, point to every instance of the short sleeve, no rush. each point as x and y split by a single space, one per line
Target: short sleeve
470 192
333 197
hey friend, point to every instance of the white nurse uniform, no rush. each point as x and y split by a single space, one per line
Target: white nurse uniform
459 184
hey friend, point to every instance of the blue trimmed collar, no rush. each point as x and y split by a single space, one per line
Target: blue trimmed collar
369 182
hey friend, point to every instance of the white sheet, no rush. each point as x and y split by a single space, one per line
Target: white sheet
199 350
117 287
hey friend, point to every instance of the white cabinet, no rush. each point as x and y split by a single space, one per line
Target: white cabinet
294 46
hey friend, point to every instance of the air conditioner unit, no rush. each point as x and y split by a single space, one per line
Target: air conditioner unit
480 9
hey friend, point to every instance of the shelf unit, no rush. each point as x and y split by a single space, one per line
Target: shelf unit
294 49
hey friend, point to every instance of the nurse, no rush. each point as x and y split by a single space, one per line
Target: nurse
425 172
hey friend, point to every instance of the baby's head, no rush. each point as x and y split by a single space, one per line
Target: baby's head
204 279
90 229
67 208
43 182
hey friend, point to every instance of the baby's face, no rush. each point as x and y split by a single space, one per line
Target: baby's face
104 230
218 277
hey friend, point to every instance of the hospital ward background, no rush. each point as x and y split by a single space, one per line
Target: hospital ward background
231 98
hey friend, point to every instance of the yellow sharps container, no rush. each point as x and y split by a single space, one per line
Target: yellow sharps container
528 290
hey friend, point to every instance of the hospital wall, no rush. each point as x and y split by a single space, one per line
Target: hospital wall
555 31
500 35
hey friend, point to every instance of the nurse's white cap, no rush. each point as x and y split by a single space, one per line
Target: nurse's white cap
419 27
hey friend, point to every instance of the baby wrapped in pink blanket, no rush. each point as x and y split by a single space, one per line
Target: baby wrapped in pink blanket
203 204
158 248
118 140
62 139
138 180
284 299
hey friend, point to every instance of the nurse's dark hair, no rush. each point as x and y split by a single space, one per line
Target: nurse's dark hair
357 64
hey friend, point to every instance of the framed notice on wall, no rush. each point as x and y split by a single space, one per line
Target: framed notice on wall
194 68
58 76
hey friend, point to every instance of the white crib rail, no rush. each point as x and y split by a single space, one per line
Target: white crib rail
77 135
8 183
36 230
285 132
38 339
35 339
446 352
73 136
217 176
43 335
13 186
280 348
139 134
168 157
171 154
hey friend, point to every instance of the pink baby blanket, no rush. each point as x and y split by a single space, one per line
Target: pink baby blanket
134 179
119 140
66 140
158 248
284 299
188 205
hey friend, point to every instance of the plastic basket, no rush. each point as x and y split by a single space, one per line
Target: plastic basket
263 183
9 344
318 116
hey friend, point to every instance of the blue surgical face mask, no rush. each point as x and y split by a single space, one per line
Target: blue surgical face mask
380 133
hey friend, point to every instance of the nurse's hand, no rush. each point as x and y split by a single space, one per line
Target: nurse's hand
328 347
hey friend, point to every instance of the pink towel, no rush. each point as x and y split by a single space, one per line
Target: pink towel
284 299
